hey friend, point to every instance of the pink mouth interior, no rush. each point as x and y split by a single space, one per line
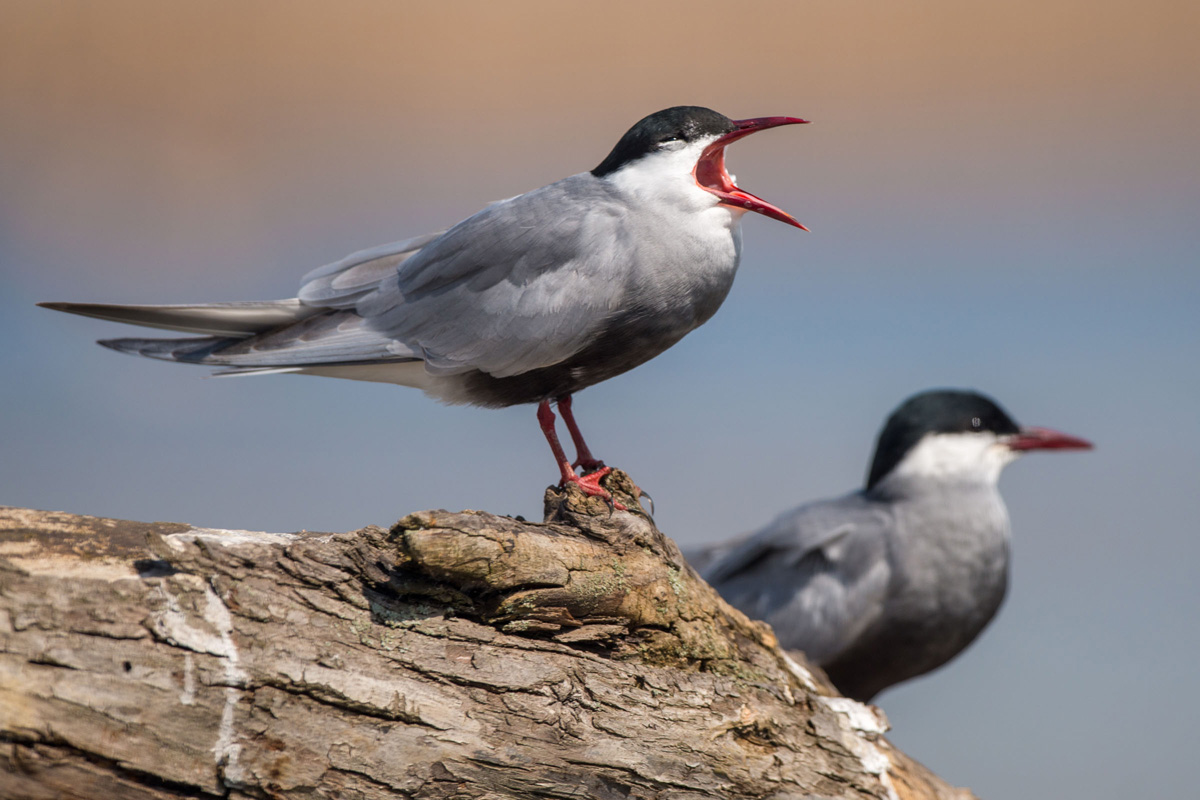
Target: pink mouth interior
710 171
711 176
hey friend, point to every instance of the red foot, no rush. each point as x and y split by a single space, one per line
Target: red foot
590 483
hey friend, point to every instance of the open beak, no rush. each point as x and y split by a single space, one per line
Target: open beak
1046 439
711 175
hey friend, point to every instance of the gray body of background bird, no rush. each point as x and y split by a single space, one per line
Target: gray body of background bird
894 580
528 301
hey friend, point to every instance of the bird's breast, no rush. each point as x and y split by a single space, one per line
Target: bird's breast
685 269
953 562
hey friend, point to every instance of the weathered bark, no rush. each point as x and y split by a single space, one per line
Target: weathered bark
458 655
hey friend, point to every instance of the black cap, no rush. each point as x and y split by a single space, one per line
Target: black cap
935 411
684 123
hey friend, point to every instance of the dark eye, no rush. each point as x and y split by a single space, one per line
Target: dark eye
670 141
976 423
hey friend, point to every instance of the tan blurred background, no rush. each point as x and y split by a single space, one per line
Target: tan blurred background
194 119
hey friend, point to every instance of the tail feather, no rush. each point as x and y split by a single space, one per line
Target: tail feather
212 319
241 373
291 338
188 350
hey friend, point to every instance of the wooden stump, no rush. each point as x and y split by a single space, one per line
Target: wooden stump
457 655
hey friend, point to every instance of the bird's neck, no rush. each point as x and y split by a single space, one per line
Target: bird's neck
906 486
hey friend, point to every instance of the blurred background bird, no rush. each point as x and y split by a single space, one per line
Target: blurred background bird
895 579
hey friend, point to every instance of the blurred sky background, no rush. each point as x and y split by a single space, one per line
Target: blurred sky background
1001 196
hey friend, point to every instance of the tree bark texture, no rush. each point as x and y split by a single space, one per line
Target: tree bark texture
457 655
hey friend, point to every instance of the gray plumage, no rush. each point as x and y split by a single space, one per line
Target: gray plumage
534 297
894 580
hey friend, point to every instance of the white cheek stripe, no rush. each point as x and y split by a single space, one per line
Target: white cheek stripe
957 456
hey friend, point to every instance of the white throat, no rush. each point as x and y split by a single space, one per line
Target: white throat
665 181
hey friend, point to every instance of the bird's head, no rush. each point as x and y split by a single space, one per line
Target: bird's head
953 435
684 148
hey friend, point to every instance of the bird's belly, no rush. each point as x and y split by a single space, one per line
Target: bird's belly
623 346
933 621
929 617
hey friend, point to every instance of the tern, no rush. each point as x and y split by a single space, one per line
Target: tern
894 580
528 301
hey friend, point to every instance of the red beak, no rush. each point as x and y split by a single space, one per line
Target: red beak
711 175
1046 439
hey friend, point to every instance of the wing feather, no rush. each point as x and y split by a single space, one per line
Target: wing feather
212 319
331 338
343 283
818 574
525 283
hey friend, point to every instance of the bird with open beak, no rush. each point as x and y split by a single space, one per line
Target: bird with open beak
528 301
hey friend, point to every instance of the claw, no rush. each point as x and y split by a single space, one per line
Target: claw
642 493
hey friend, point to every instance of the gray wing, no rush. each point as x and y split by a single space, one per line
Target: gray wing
523 284
819 574
343 283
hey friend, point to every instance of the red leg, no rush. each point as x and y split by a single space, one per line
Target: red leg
584 455
590 483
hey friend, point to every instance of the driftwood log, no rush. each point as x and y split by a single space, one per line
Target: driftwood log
457 655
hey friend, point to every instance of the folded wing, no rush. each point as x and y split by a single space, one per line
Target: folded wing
506 291
818 575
